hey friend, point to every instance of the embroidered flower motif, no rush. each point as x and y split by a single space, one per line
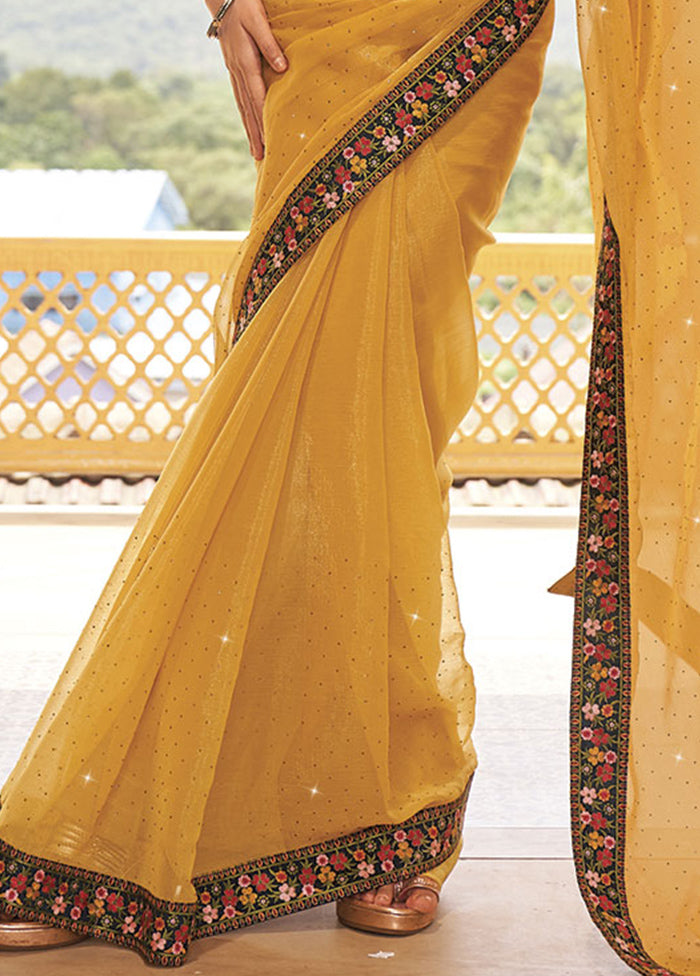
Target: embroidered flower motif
600 697
386 134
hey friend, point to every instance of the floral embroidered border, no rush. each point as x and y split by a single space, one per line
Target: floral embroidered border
127 914
600 692
384 136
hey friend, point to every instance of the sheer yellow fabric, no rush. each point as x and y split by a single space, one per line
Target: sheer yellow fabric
277 657
642 78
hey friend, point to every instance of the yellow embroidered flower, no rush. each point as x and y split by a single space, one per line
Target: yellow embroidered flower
598 671
358 165
595 756
419 109
248 896
594 840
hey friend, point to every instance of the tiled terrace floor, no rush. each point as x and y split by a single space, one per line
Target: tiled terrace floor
511 907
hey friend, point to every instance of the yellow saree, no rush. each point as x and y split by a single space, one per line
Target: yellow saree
269 706
635 729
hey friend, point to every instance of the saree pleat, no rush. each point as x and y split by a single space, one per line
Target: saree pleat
269 706
635 717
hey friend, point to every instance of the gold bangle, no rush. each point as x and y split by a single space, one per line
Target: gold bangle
213 30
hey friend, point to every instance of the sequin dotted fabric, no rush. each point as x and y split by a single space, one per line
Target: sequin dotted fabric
269 705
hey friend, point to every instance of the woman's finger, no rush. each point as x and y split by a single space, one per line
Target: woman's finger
249 72
257 25
246 112
250 67
256 138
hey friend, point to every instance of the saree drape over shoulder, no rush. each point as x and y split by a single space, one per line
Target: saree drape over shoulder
269 706
636 703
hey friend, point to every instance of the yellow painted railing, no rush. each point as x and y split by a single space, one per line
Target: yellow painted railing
106 346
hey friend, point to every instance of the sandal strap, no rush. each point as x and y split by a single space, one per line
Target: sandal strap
402 889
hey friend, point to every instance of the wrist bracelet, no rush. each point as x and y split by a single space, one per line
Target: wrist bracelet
213 30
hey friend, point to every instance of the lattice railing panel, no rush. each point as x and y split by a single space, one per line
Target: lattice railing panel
533 306
106 346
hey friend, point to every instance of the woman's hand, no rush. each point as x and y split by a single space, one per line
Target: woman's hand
245 37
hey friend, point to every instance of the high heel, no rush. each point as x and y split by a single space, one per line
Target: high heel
20 933
389 919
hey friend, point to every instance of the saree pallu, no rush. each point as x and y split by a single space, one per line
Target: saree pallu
635 708
269 706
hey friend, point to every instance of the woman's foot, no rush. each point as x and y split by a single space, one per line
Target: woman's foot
420 900
400 909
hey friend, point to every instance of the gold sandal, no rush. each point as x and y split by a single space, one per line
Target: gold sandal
20 933
389 919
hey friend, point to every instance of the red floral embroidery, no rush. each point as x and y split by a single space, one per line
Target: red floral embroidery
124 913
386 135
600 694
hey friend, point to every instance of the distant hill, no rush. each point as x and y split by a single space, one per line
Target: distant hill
97 37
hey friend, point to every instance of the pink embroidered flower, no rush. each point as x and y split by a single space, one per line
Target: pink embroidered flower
129 925
348 152
591 626
39 875
409 130
59 905
435 848
75 913
591 710
322 860
470 41
387 865
589 649
177 949
101 893
595 542
509 32
287 893
609 842
308 890
229 911
614 673
588 795
409 97
586 733
400 835
391 143
452 87
157 942
348 186
365 870
585 818
245 881
593 878
610 757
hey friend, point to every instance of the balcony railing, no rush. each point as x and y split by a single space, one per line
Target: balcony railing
106 345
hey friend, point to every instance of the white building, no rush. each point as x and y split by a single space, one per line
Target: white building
88 202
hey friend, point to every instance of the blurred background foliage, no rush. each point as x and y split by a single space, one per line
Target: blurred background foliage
108 97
